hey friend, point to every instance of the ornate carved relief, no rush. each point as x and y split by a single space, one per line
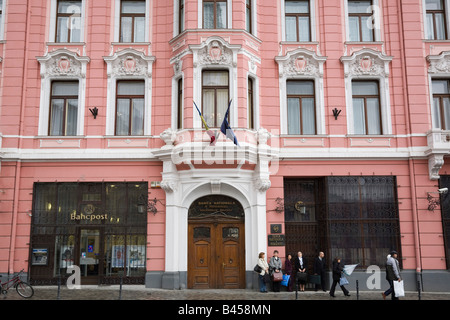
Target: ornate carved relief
366 62
129 62
300 62
63 62
215 51
439 63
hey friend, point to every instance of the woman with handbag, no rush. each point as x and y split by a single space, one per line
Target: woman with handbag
288 268
264 272
300 269
337 274
275 271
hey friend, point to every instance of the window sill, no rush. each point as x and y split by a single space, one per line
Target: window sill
62 44
364 42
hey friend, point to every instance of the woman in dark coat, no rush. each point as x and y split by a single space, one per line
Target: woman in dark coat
337 272
288 271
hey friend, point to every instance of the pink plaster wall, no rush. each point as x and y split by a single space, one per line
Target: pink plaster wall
401 35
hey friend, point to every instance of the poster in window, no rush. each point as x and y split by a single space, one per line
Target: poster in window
39 257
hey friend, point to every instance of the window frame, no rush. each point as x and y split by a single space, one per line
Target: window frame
132 16
251 103
297 15
180 103
441 96
365 97
360 16
68 15
434 12
300 98
202 2
248 16
64 116
130 110
215 124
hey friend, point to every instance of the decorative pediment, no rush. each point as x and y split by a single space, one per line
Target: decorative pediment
215 51
439 63
63 62
366 62
129 62
300 62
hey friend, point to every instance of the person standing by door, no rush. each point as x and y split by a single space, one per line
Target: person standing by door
288 268
275 266
300 268
319 269
264 272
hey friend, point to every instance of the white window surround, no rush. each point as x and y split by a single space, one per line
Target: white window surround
176 17
302 64
229 14
204 59
128 64
377 16
424 14
178 74
52 31
254 17
439 68
313 20
60 65
148 14
255 89
2 22
368 64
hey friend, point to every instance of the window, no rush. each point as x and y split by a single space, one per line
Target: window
362 218
180 104
67 217
250 104
435 20
248 16
214 14
68 21
444 182
441 104
361 20
132 21
366 107
180 16
298 25
301 107
214 96
130 108
63 108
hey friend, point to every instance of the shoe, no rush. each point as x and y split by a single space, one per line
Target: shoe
324 290
384 296
332 295
347 295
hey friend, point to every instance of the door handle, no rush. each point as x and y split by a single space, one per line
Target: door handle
224 264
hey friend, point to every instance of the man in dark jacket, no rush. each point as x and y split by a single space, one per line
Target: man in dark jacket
319 269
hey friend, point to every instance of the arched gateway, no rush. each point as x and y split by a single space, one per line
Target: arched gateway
216 243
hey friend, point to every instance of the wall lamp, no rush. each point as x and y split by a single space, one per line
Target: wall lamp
433 203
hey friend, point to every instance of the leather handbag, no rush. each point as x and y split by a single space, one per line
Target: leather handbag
257 269
277 276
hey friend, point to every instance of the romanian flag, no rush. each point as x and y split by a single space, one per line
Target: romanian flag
211 133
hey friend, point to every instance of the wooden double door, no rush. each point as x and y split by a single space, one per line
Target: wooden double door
216 255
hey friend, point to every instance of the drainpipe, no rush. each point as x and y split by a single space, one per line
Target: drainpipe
415 215
12 248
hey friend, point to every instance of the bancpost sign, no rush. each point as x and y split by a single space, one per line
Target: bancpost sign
89 217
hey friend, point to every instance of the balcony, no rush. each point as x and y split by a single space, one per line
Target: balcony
438 142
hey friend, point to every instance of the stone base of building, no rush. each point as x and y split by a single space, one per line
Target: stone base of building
431 280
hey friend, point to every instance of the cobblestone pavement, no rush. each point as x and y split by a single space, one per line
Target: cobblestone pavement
138 292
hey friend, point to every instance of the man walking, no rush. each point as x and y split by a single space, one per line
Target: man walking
392 274
319 269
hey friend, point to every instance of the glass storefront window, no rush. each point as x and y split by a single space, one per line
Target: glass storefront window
96 226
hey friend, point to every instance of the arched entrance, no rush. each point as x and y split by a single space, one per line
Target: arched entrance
216 243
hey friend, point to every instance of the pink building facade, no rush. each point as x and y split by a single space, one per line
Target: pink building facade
340 107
